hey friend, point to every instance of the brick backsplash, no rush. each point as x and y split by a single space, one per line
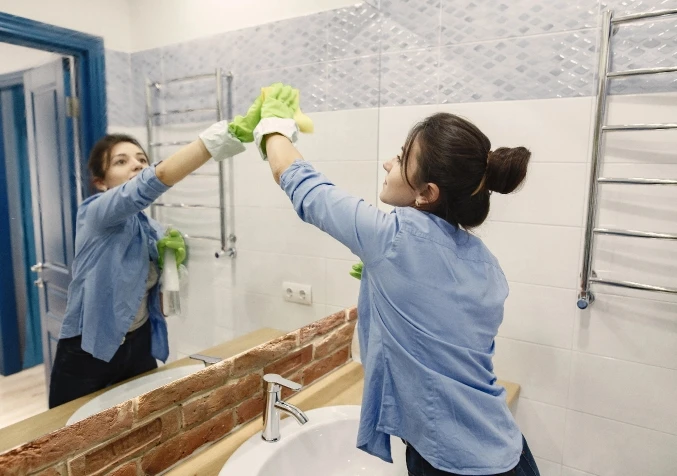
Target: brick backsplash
156 430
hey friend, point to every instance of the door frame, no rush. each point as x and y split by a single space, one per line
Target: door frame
88 50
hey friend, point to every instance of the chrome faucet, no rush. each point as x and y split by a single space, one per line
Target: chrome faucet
271 412
207 359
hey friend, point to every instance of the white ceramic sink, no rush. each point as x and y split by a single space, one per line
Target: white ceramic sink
323 446
132 389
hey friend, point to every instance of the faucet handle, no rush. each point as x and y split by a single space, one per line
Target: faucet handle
275 381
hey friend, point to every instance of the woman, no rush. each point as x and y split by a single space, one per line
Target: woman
113 328
432 295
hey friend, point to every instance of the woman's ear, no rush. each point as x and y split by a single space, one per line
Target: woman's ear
429 194
100 186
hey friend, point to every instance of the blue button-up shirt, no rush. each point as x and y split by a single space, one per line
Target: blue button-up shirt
431 301
114 245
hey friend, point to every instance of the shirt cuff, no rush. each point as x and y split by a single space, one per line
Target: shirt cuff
148 176
289 174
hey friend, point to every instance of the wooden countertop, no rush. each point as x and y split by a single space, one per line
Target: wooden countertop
51 420
342 387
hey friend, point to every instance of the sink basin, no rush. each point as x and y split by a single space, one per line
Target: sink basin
131 389
323 446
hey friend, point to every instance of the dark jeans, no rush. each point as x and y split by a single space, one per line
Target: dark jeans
76 373
418 466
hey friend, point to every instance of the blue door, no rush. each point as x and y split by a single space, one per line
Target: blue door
19 302
53 186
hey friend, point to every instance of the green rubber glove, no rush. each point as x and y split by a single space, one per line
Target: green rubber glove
242 127
280 101
356 270
172 240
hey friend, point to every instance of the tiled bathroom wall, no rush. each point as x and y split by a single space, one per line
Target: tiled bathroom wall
408 53
596 384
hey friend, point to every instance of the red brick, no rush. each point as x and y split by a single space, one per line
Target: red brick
182 389
259 356
322 326
251 408
128 469
291 363
171 423
326 365
199 410
73 439
352 314
338 338
112 453
184 444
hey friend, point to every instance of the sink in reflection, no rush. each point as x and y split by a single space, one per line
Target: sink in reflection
132 389
325 445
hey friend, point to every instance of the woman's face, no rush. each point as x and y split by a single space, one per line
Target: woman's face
396 191
126 161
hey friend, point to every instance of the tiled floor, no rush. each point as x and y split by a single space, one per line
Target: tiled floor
22 395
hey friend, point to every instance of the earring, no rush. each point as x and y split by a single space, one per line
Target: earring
417 204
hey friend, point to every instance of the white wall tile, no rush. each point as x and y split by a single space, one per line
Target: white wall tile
541 371
607 447
341 136
539 314
253 183
394 125
555 130
254 311
342 289
548 468
634 393
333 309
278 231
263 273
535 254
543 428
638 330
553 194
356 178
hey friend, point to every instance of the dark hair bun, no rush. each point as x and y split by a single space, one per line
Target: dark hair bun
507 168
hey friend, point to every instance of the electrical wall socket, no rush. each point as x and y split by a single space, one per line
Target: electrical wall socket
299 293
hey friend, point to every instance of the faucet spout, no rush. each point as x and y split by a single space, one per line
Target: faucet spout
290 409
275 404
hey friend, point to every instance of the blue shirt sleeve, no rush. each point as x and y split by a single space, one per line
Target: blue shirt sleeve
117 204
367 231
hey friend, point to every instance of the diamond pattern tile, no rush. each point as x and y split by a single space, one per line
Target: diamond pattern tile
387 52
409 78
465 21
310 79
281 44
353 31
119 88
145 64
353 83
560 65
409 24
